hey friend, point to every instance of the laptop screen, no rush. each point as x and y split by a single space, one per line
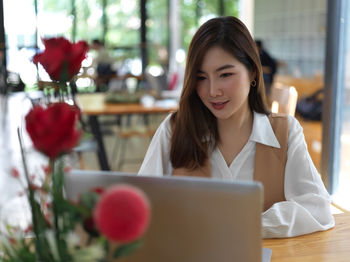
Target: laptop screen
192 219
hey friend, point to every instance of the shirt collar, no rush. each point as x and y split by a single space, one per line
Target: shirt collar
262 131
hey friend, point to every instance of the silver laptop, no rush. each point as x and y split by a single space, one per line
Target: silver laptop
192 219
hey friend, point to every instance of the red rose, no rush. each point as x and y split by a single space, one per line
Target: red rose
52 130
122 214
61 58
98 190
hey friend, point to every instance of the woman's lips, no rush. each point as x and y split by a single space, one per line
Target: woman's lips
219 105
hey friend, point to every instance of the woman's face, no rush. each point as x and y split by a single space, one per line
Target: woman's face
223 84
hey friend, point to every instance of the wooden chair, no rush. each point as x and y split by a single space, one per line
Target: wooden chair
135 126
283 99
86 145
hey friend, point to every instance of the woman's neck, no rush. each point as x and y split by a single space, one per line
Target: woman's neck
238 124
234 134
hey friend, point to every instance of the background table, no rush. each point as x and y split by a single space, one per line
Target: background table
326 246
94 105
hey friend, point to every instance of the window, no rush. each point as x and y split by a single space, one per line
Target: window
341 174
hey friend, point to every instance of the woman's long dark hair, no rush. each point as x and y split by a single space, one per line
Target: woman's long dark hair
194 127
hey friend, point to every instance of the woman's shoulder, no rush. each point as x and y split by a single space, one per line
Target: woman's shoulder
166 123
294 127
292 121
165 126
293 124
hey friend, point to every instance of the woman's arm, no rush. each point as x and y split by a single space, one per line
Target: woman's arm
307 208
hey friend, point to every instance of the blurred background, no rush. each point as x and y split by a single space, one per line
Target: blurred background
308 40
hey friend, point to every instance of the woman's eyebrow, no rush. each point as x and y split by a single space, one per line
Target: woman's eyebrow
224 67
218 69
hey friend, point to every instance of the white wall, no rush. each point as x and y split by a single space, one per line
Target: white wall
246 13
294 31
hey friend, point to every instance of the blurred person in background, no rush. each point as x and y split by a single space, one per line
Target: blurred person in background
102 62
269 66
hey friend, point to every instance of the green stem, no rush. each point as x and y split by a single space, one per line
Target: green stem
35 209
54 204
59 211
55 208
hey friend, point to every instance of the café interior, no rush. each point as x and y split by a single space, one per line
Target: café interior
137 55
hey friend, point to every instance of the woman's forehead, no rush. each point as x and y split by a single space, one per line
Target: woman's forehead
217 58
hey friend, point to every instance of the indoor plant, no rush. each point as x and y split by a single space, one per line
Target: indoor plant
54 232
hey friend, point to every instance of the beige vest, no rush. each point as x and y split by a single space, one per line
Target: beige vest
270 163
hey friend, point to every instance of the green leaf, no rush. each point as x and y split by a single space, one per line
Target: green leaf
88 199
17 252
127 249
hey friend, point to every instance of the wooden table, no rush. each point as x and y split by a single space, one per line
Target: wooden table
94 105
326 246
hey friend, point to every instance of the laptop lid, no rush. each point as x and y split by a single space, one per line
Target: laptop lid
192 219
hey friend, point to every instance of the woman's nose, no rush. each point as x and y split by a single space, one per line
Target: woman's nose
214 89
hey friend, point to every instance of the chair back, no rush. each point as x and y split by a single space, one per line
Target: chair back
283 99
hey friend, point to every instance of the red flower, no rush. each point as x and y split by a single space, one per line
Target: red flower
14 172
122 213
67 169
47 169
61 58
28 229
35 187
52 130
98 190
12 240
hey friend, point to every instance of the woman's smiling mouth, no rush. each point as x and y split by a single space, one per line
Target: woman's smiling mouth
219 105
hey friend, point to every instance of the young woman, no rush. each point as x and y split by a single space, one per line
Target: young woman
223 129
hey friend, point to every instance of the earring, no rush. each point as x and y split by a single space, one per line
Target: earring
253 83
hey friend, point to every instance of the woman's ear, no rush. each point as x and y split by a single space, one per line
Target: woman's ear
252 76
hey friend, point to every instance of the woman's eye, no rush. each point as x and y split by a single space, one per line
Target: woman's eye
200 78
225 75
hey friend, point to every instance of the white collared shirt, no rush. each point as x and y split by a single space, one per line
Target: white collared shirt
307 205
